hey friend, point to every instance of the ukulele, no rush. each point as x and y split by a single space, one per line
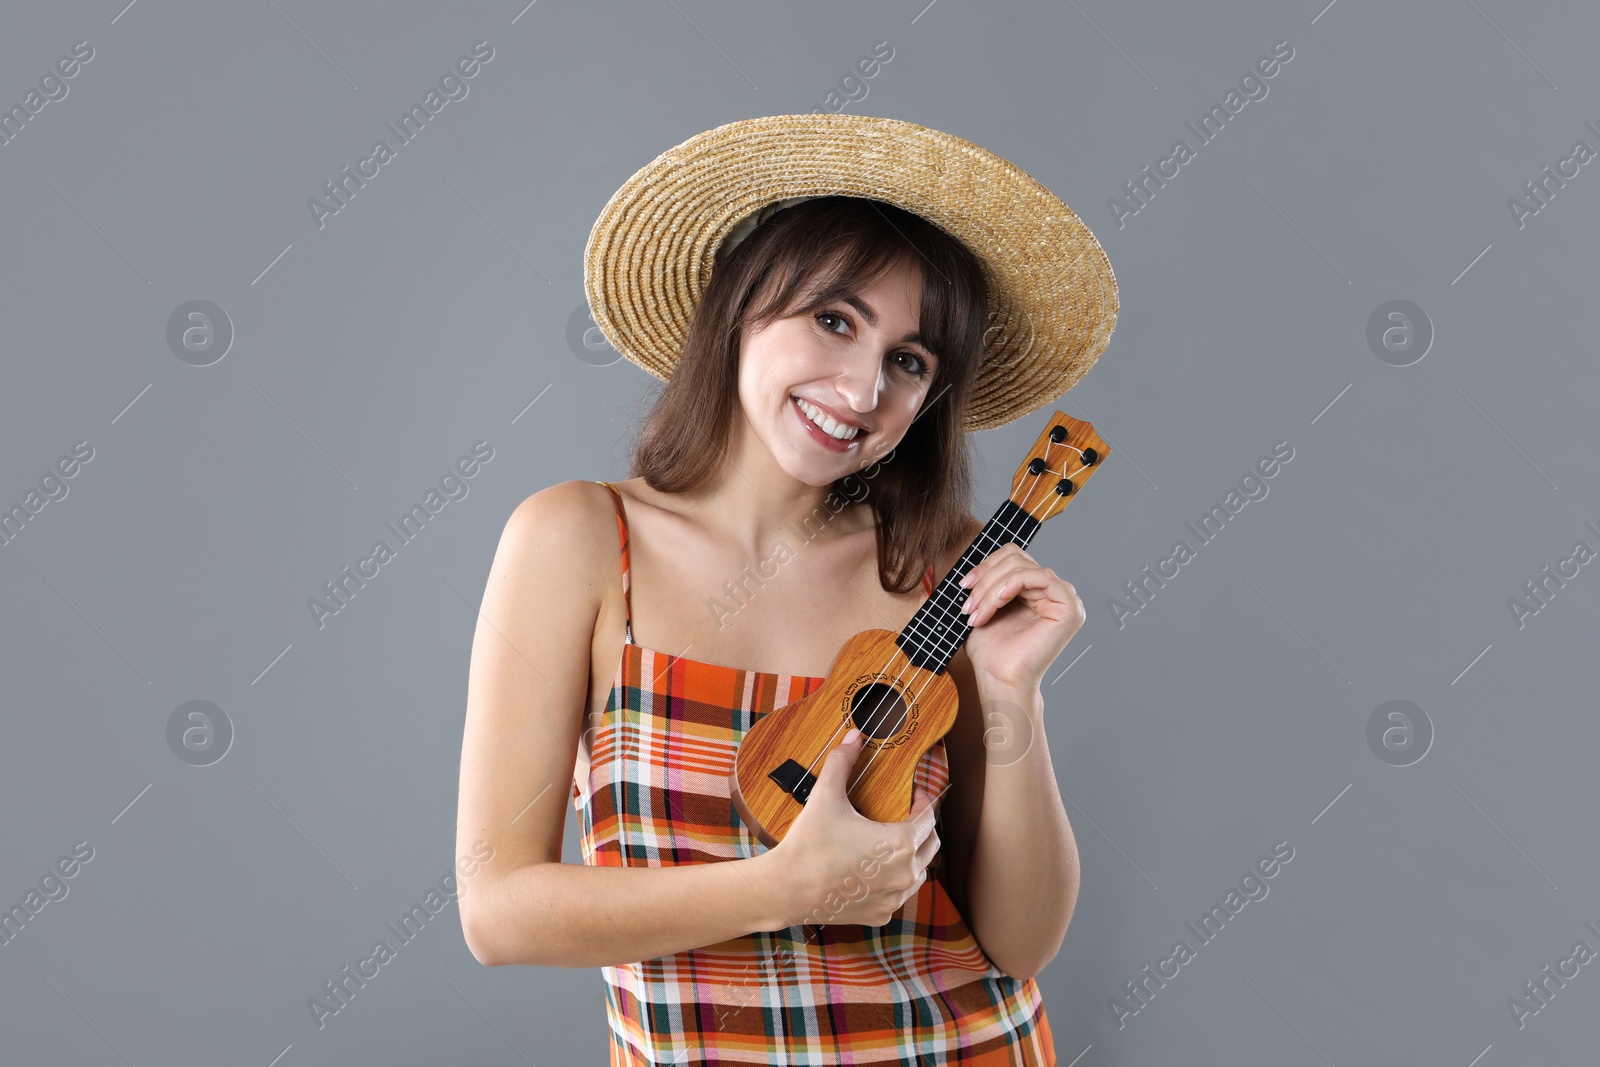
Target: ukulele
894 687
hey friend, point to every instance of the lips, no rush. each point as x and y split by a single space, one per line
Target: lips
827 441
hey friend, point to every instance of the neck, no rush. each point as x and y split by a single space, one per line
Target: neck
752 502
753 518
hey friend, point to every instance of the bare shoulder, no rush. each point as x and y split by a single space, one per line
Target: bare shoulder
564 502
566 515
565 536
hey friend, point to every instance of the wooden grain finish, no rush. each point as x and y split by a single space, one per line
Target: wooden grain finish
896 734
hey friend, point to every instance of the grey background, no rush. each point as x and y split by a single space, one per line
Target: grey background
431 312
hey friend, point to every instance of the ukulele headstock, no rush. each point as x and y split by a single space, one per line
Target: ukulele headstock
1066 454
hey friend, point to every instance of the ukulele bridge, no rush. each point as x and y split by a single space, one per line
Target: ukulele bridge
794 779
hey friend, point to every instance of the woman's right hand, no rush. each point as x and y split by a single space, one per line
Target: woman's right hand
835 865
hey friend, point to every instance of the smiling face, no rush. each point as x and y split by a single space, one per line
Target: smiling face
853 364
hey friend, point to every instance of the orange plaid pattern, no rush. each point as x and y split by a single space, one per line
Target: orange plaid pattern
915 991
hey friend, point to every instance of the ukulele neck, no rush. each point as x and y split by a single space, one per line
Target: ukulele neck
934 634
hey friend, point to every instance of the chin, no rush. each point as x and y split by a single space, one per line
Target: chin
816 477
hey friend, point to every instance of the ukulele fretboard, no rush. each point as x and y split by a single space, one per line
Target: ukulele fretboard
935 632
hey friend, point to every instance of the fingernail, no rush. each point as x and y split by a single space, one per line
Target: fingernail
850 738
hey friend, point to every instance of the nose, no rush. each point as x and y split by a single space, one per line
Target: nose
860 380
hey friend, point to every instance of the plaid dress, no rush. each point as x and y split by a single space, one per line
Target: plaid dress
915 991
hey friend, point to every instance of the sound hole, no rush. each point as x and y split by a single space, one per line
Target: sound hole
878 710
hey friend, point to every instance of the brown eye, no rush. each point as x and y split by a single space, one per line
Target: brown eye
921 370
830 315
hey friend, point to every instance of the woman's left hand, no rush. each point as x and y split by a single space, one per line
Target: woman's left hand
1022 616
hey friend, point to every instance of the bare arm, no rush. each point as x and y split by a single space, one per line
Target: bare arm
526 692
567 915
1017 879
1013 869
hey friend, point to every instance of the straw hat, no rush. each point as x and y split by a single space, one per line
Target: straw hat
1053 297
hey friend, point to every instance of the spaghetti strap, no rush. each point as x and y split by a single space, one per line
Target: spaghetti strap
622 536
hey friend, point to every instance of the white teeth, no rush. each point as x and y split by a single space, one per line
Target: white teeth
826 422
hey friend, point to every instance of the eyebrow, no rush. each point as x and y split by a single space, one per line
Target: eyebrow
872 320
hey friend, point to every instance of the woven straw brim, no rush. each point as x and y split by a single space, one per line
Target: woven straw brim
1053 296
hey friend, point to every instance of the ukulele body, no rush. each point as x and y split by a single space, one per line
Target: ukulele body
901 710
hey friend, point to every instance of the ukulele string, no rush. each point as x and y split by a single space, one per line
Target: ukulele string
1027 502
943 615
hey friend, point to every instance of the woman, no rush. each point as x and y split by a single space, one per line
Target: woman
803 476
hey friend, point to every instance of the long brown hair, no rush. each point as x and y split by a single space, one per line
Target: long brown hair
804 257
